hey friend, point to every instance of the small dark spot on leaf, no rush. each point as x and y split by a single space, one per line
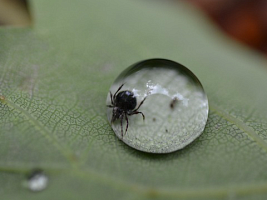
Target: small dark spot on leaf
74 158
152 193
2 98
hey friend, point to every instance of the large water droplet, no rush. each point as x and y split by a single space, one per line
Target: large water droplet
175 106
37 180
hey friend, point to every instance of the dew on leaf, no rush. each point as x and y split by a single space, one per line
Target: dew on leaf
168 95
36 180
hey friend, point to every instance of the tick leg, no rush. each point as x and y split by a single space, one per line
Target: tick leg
110 106
122 126
113 116
139 105
118 90
126 124
137 112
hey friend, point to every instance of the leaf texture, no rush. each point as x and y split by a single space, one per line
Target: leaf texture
55 76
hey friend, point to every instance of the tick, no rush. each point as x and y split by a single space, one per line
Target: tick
123 104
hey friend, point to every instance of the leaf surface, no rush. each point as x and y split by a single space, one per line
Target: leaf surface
55 77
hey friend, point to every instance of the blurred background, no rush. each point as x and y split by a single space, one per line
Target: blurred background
242 20
14 13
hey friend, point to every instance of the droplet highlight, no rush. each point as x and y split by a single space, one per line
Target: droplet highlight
168 95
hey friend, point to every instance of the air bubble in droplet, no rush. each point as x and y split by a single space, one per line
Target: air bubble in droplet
173 100
36 181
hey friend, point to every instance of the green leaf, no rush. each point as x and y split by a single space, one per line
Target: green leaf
55 76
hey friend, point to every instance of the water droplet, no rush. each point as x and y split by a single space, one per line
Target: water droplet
37 180
173 100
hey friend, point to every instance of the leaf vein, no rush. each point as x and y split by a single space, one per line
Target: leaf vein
241 125
63 150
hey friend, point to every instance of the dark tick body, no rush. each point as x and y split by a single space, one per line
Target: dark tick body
123 104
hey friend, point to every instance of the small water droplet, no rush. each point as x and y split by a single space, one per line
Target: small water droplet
36 180
170 97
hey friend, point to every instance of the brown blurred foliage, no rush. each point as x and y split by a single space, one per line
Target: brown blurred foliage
244 20
14 13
